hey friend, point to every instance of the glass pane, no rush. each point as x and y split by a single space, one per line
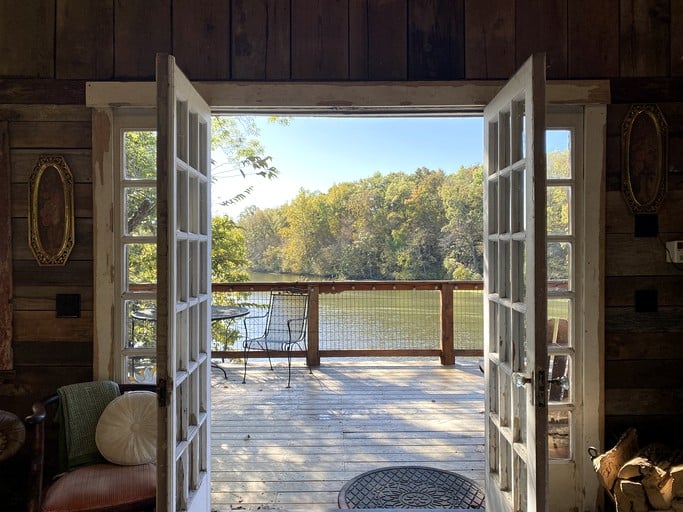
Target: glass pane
504 340
518 136
558 331
559 261
492 210
558 384
504 205
503 140
141 369
559 434
520 490
504 400
140 211
493 448
141 323
557 210
493 148
520 434
517 192
519 342
140 155
140 263
493 388
558 144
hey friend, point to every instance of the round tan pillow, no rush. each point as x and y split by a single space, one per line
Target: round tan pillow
126 432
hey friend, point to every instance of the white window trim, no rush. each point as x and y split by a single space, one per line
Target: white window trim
462 97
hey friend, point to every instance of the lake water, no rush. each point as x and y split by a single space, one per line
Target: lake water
394 319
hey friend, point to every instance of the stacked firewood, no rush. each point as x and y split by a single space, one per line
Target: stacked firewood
642 480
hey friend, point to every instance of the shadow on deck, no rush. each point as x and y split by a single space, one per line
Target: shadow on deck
293 449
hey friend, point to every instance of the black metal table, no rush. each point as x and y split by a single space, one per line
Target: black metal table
217 313
411 487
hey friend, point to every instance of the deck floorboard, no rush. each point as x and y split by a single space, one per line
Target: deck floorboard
293 449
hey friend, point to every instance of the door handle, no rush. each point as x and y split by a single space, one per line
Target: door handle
520 380
563 382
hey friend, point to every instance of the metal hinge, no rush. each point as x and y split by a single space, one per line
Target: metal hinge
161 392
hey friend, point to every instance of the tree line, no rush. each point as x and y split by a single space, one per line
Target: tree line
424 225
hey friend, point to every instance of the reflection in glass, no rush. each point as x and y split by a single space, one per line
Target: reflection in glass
559 438
141 370
141 323
140 211
559 258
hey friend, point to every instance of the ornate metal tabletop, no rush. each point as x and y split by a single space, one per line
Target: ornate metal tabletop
411 487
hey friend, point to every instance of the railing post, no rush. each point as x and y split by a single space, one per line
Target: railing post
447 348
313 327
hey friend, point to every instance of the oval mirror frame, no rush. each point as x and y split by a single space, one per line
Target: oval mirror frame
644 136
51 211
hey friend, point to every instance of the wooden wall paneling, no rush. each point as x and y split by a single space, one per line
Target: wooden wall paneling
436 39
48 354
85 39
38 382
629 256
676 33
27 38
593 39
489 39
653 428
625 319
40 298
646 90
641 402
142 28
642 345
42 92
6 286
358 40
201 38
647 374
644 38
320 39
43 326
260 42
54 113
82 250
619 218
74 273
620 291
24 160
541 26
387 40
50 137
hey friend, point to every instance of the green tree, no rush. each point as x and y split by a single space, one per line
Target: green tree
462 234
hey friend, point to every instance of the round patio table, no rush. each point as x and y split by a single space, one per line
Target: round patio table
411 487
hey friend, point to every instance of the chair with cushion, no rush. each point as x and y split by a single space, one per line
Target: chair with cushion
106 443
283 326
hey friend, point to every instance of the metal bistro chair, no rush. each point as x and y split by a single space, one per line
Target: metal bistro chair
286 320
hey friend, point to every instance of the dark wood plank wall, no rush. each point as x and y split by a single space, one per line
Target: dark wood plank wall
50 47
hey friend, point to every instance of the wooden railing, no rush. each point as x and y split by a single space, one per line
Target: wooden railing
447 351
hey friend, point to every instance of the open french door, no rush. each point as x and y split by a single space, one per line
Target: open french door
515 306
184 291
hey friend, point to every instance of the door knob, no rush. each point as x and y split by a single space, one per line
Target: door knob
519 380
563 382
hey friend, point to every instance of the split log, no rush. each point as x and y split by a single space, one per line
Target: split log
630 497
676 473
608 464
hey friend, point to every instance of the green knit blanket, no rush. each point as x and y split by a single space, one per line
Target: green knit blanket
80 407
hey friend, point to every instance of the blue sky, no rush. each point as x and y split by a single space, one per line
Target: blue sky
314 153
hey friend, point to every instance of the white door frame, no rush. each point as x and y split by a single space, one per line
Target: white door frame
361 98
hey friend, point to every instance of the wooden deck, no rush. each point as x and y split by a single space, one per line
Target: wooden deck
278 448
